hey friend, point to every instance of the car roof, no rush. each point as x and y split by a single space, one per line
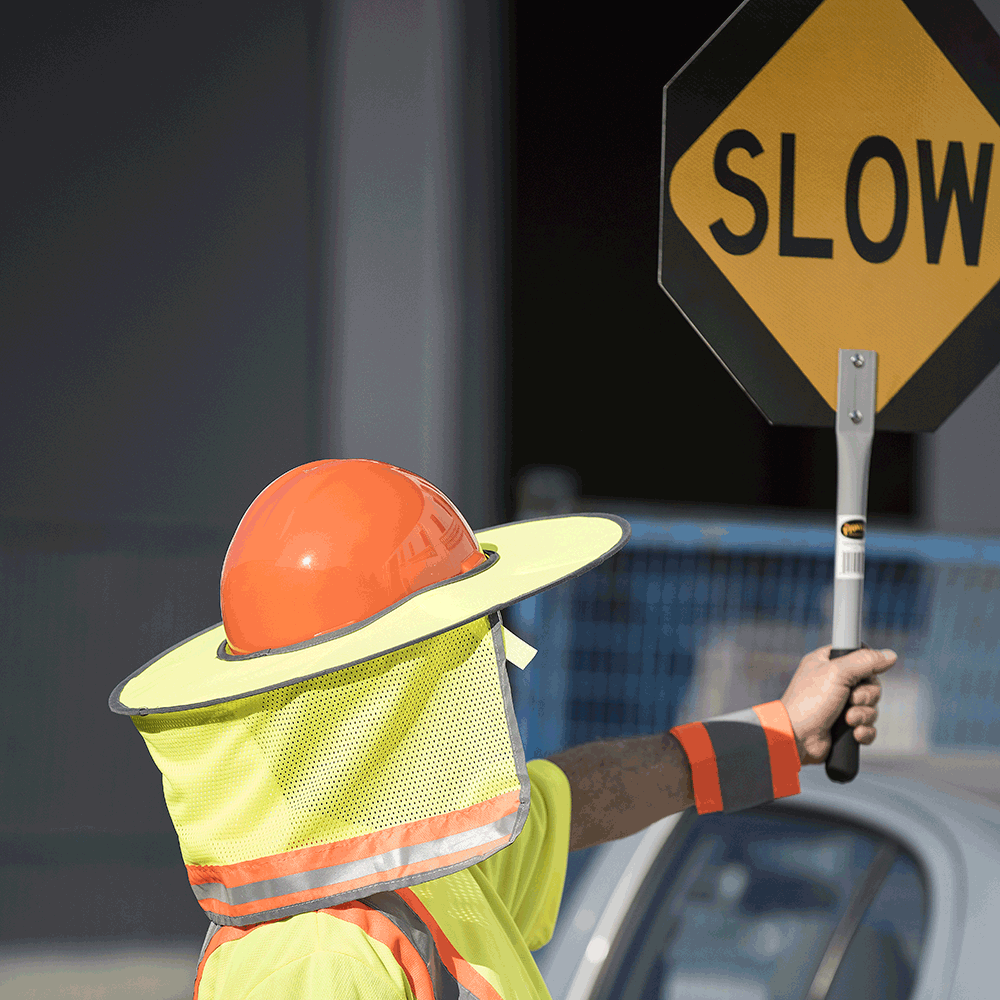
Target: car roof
974 776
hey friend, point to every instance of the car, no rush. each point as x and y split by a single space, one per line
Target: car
887 888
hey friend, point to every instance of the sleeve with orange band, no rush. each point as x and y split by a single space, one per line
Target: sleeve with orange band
742 759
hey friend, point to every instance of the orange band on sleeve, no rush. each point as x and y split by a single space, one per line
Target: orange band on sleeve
694 738
781 747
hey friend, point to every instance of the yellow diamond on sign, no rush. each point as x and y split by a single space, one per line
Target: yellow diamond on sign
848 192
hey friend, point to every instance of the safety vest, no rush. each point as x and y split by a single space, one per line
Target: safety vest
432 965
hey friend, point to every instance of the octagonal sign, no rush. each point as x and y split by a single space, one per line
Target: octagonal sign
829 181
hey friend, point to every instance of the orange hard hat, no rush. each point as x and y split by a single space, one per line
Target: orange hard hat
332 543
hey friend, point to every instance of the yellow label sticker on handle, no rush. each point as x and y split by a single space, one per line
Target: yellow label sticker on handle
849 555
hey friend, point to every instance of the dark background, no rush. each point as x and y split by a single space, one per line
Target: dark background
160 365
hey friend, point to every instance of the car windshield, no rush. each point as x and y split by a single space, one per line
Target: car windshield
771 905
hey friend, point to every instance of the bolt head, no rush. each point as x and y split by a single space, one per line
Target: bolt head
856 416
858 360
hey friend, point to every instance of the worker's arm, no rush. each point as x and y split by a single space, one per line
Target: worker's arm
621 786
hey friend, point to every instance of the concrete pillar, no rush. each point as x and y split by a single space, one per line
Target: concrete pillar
413 263
959 467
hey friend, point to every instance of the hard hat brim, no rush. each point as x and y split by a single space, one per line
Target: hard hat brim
525 557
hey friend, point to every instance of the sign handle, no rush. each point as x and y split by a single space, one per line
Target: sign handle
857 376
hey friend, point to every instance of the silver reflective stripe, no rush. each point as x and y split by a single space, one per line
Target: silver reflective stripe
210 933
336 875
742 758
446 986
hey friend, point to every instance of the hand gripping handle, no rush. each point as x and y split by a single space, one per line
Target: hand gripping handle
842 761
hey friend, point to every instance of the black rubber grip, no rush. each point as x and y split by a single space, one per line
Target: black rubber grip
842 761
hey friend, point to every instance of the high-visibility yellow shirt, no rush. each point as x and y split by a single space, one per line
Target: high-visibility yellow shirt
494 913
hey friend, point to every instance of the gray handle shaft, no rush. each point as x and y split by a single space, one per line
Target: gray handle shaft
856 383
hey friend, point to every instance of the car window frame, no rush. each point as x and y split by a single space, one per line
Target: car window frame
888 848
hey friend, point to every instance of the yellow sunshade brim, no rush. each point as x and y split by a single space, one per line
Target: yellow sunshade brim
533 556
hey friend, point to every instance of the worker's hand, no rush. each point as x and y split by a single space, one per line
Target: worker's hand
820 689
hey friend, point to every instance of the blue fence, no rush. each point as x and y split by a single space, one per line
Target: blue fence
698 615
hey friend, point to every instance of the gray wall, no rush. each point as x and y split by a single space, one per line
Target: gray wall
156 358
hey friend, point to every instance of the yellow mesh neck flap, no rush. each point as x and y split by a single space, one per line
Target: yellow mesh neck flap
405 737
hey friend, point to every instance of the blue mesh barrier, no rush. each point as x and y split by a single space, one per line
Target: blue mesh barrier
618 646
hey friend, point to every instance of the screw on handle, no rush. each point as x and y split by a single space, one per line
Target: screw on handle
842 761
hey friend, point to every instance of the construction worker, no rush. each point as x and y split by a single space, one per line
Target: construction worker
342 763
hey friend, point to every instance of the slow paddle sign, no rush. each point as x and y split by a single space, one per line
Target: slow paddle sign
829 179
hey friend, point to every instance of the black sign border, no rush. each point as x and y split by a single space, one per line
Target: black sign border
692 100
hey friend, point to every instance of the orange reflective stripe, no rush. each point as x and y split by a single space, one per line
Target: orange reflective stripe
382 929
693 737
781 746
463 972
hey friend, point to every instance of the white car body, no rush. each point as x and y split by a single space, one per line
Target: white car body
951 834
